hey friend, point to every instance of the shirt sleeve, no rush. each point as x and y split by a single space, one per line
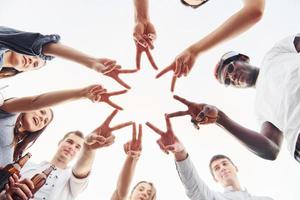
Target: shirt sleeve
77 185
27 43
195 188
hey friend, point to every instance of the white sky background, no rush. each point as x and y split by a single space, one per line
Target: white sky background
104 29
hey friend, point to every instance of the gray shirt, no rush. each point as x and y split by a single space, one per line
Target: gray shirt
24 42
196 189
7 124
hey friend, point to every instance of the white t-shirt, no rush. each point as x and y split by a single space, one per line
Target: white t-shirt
278 90
61 184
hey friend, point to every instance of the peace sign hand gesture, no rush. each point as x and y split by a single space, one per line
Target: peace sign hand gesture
102 136
133 147
200 113
167 138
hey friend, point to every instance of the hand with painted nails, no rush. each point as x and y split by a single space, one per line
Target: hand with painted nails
167 139
144 35
102 136
110 68
181 66
133 148
16 188
200 113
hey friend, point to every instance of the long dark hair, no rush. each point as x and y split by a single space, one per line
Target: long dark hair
26 139
8 72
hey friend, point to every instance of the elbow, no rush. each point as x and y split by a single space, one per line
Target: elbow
272 155
256 14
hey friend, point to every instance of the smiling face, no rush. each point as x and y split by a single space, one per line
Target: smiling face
36 120
23 62
143 191
224 172
193 3
239 74
69 147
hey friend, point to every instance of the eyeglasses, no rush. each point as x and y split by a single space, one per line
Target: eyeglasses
196 6
230 69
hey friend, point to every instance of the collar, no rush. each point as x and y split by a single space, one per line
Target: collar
231 189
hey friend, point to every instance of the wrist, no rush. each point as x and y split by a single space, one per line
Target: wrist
180 156
220 118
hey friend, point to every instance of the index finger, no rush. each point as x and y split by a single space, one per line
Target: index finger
133 132
110 117
178 114
165 70
174 78
127 71
150 58
154 128
119 126
182 100
116 93
168 122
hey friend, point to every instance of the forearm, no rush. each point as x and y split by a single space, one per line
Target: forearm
141 10
235 25
125 178
254 141
69 53
84 164
49 99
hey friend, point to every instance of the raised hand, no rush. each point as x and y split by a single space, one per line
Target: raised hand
97 93
181 66
133 147
200 113
144 34
166 138
102 136
110 68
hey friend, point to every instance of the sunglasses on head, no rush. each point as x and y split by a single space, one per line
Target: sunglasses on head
230 69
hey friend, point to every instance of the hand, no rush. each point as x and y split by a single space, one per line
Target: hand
102 136
167 138
133 147
182 65
21 189
96 93
110 68
144 34
200 113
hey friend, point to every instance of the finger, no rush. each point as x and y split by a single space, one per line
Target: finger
110 139
174 78
138 58
110 117
112 104
121 126
182 100
128 71
120 81
133 132
202 114
154 128
110 62
178 66
168 122
107 70
152 36
178 114
28 183
116 93
165 70
140 133
126 147
150 58
186 69
140 40
149 42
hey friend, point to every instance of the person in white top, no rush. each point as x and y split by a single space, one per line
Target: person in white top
144 35
66 183
222 168
277 102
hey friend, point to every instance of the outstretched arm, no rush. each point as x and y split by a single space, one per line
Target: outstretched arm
265 144
49 99
133 150
238 23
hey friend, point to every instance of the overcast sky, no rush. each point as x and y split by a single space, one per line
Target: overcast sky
104 29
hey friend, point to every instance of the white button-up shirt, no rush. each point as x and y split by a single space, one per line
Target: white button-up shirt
61 184
196 189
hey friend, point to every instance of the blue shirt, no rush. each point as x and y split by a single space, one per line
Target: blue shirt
22 42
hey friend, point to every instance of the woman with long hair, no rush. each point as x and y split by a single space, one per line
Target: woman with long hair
143 190
22 120
22 51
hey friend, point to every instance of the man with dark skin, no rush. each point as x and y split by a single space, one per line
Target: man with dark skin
277 99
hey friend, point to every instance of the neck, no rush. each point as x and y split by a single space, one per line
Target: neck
7 58
59 162
235 184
